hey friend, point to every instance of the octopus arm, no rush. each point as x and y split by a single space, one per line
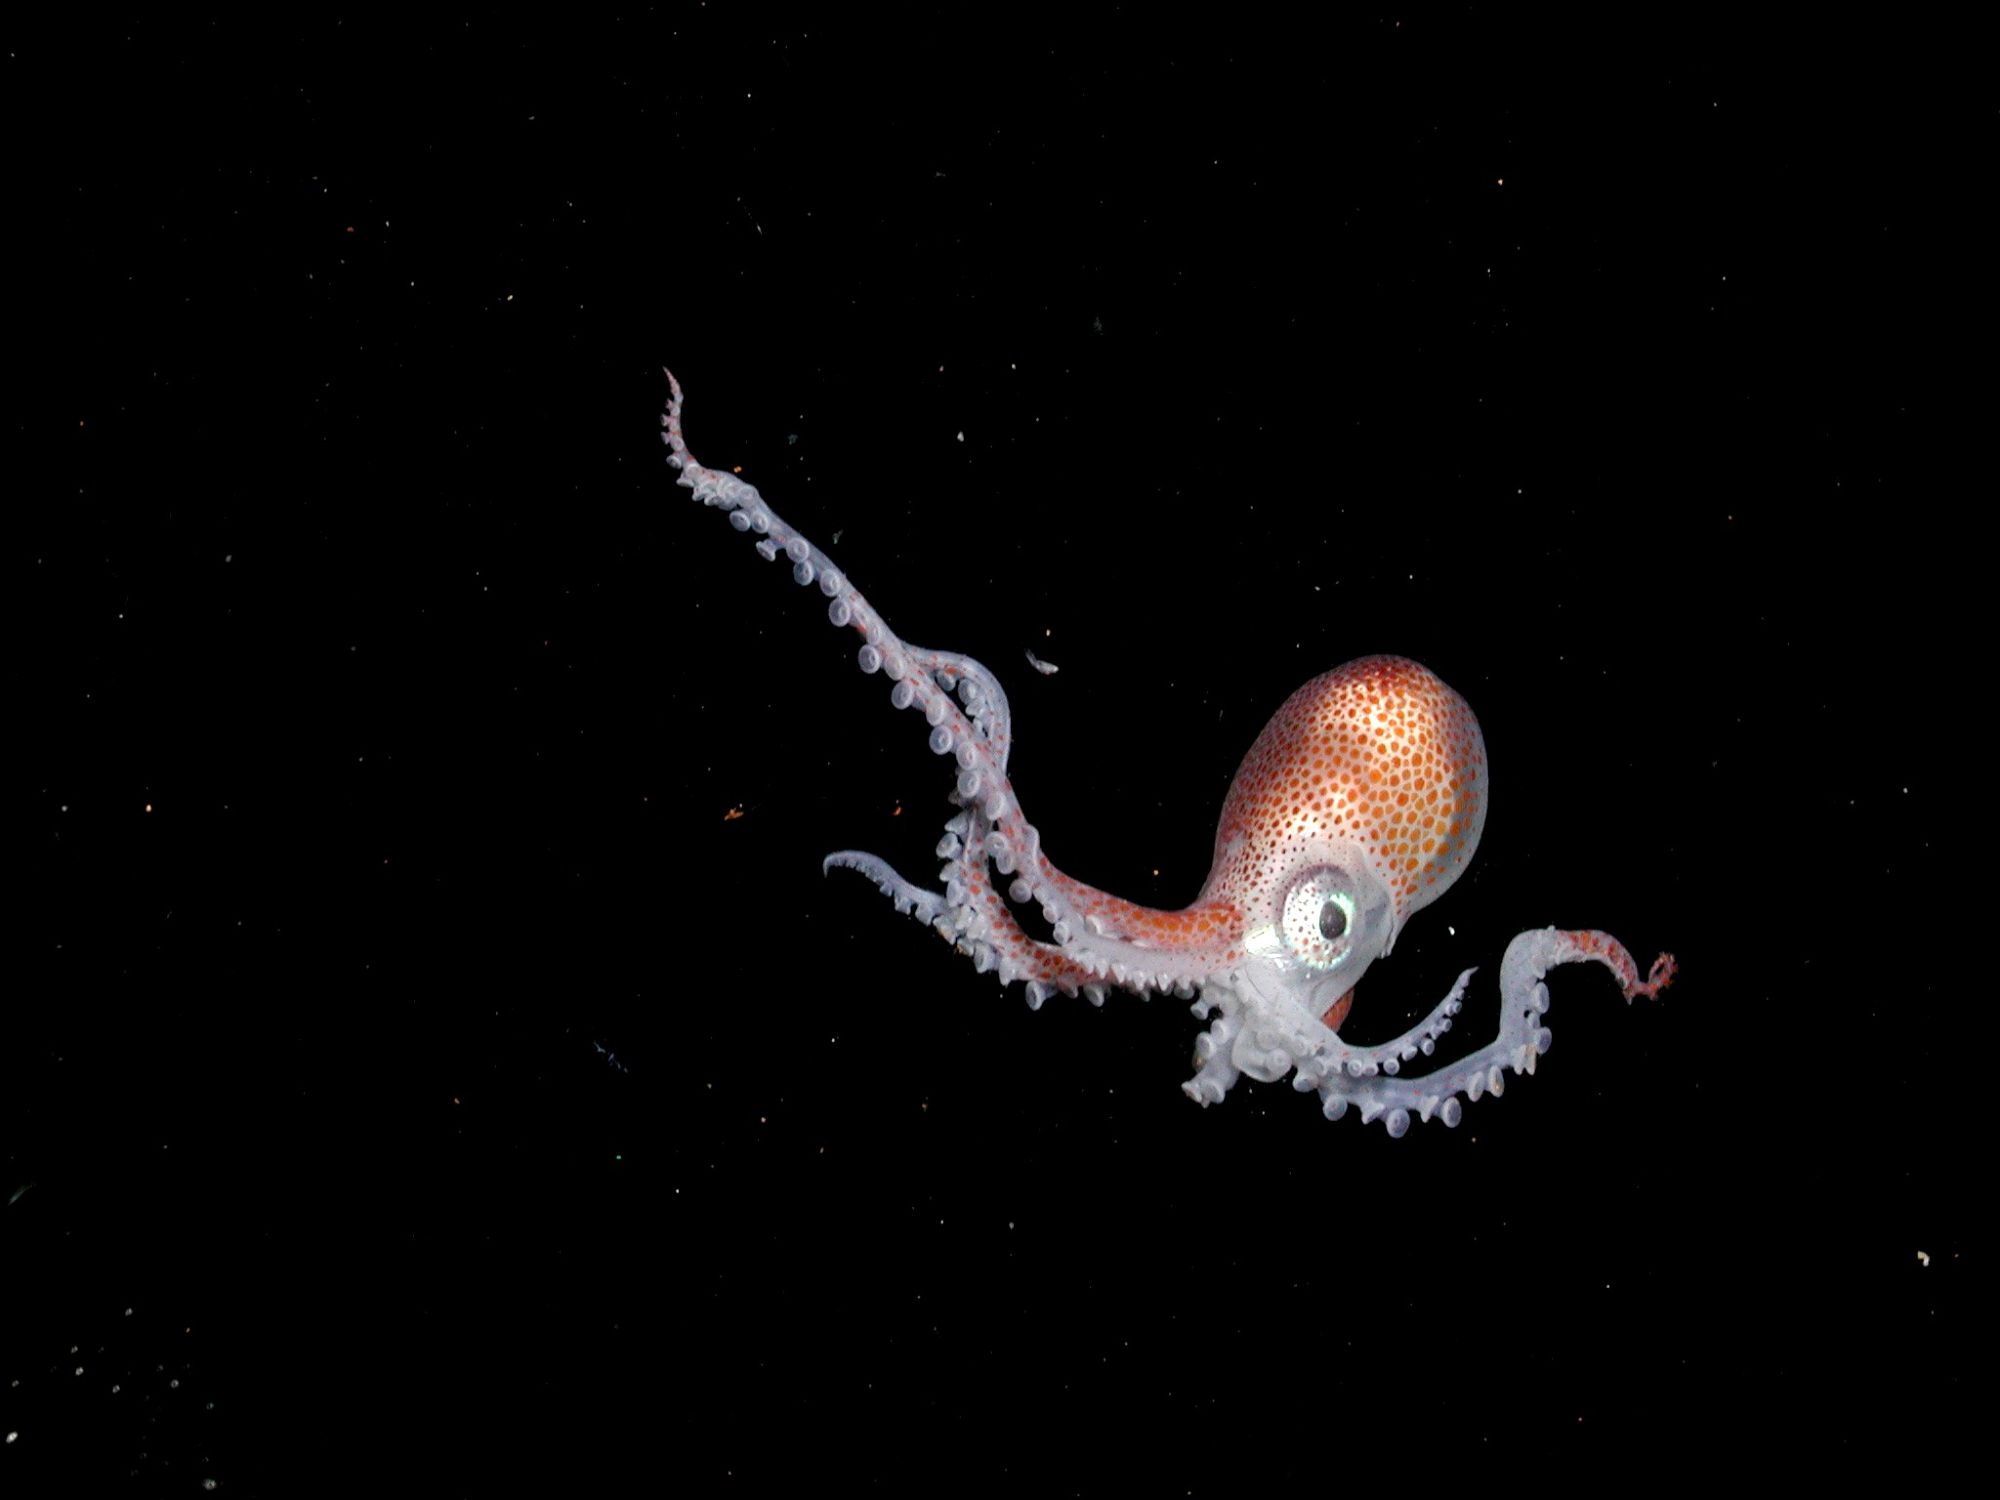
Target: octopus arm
1252 1036
1098 937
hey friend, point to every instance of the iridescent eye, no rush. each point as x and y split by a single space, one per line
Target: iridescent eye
1319 916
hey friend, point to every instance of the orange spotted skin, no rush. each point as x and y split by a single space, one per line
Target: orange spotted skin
1379 752
1204 925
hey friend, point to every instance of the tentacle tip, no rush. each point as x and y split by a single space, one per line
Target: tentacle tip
1657 978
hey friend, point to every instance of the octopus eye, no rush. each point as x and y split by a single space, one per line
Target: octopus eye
1319 918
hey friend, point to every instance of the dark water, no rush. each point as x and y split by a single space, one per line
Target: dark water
434 1057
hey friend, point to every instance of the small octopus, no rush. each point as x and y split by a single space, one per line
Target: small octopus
1359 804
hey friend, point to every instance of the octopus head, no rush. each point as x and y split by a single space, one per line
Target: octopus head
1359 804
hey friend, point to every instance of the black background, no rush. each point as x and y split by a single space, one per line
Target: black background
435 1058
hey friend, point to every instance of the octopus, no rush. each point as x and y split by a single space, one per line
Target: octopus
1359 804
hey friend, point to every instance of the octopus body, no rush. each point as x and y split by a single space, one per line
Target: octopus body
1359 804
